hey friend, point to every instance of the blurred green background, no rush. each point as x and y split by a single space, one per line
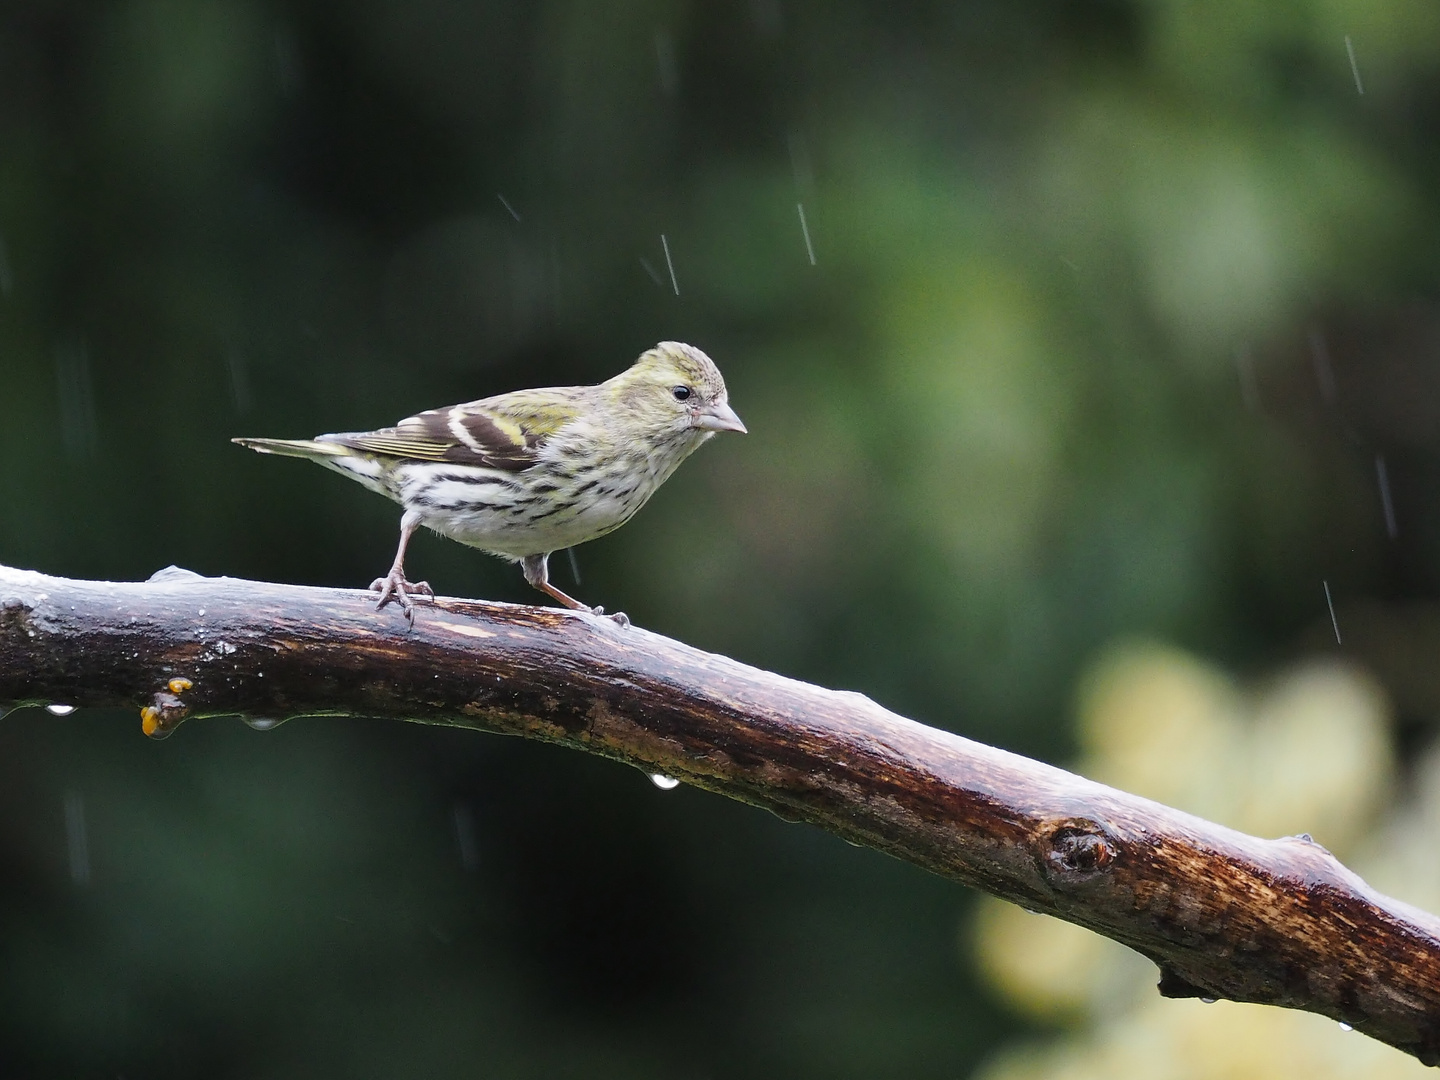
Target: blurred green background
1104 321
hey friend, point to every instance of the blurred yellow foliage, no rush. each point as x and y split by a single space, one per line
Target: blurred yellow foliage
1307 750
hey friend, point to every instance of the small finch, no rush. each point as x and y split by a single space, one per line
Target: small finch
530 472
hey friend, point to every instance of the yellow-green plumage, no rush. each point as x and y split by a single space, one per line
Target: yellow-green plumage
529 472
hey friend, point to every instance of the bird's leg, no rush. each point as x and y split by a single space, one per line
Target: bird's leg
393 585
537 573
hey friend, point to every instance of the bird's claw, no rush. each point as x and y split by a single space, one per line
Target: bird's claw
393 588
619 618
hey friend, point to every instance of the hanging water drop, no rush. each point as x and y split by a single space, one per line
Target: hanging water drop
262 723
1345 1027
663 782
1208 1000
59 710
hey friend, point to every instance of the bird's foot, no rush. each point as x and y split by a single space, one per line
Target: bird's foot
619 618
393 588
538 579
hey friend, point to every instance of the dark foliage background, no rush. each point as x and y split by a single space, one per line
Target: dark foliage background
1116 314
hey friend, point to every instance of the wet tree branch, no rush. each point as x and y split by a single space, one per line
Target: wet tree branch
1223 914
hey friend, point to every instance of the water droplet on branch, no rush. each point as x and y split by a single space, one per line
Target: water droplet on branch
663 782
173 573
59 710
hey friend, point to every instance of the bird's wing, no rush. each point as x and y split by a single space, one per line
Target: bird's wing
504 432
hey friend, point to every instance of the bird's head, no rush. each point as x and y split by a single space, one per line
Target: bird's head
676 389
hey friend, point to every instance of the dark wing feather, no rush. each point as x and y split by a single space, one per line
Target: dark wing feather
494 434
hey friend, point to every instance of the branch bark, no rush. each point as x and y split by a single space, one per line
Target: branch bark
1224 915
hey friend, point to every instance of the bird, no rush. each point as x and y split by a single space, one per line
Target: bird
530 472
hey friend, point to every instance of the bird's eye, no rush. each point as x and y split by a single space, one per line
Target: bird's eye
682 393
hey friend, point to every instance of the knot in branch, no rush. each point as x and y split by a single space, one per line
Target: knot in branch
1077 850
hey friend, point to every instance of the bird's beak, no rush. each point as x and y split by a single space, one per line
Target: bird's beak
718 416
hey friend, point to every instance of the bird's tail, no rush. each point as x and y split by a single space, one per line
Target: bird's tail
301 448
